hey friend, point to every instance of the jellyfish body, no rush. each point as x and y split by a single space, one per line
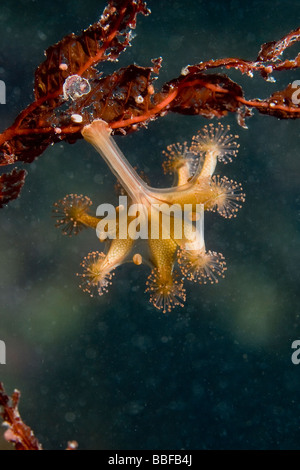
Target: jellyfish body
170 219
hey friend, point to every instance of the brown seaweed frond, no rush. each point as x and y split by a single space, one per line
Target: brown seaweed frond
70 93
17 432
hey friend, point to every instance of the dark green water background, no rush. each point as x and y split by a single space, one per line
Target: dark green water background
113 372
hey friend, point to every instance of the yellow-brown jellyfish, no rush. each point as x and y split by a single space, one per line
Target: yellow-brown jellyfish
168 222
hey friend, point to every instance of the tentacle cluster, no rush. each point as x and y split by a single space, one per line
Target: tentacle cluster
227 196
218 140
69 213
180 161
165 291
96 278
202 266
